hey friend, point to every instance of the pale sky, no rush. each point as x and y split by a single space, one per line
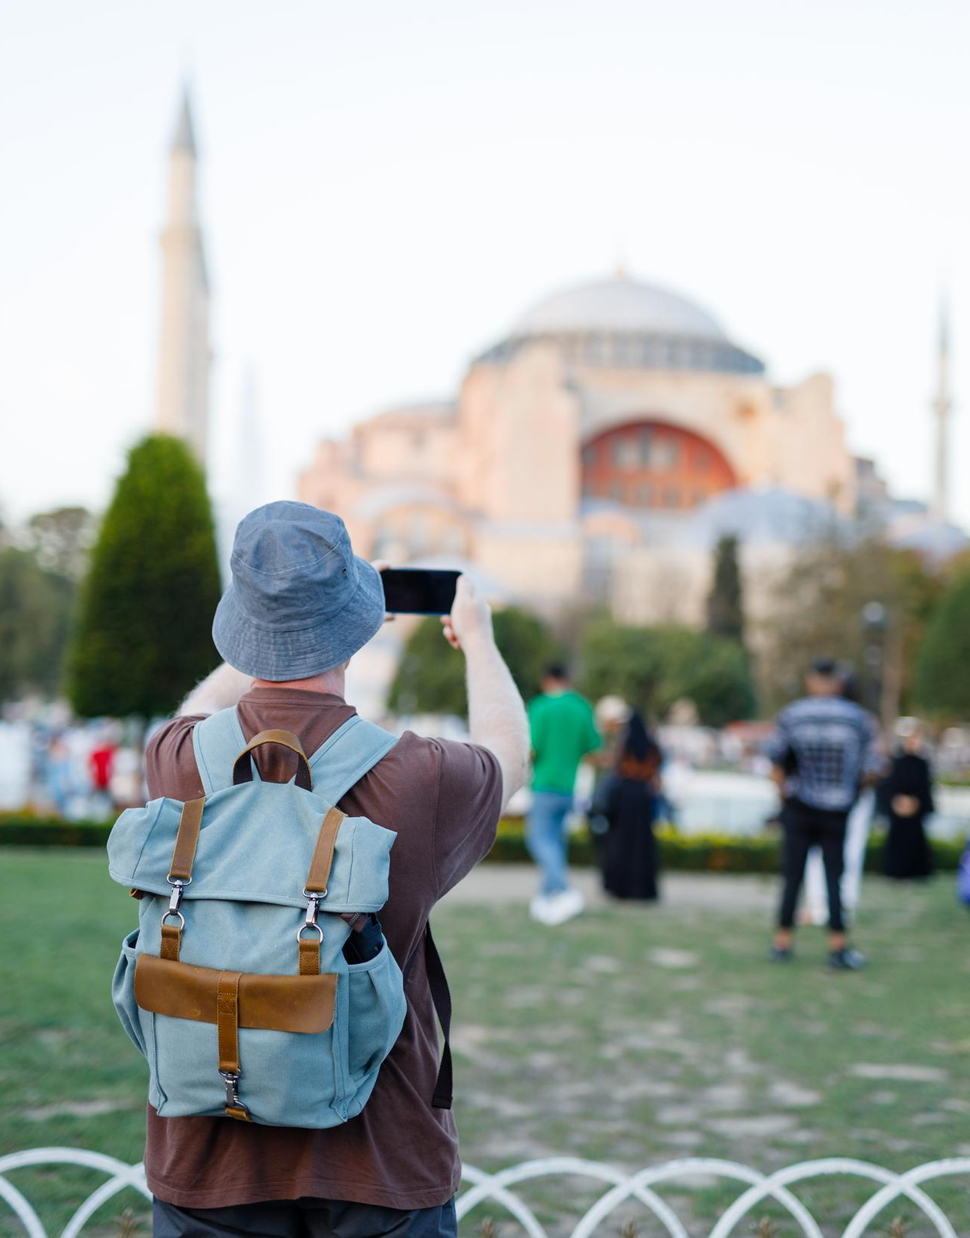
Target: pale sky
386 186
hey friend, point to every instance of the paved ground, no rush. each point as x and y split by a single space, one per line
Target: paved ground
495 884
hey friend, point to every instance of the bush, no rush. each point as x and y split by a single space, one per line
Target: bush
685 853
23 830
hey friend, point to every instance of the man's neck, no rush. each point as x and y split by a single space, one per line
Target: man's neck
331 682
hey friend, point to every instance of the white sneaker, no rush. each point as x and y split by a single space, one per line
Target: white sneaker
560 907
542 908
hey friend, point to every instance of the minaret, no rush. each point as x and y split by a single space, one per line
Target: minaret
184 355
940 508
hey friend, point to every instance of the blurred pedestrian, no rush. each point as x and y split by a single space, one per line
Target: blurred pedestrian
58 775
126 784
905 797
100 766
563 732
830 742
629 805
857 832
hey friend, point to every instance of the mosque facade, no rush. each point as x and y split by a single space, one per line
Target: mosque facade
595 453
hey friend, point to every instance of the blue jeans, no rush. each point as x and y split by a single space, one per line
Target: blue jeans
545 836
304 1218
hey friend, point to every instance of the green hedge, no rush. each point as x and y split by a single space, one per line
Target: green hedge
22 830
706 853
694 853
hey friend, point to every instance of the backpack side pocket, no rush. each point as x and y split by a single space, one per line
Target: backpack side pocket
123 993
377 1009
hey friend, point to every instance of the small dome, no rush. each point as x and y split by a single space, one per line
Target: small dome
619 305
768 514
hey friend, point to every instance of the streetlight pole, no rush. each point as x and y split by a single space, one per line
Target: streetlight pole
875 621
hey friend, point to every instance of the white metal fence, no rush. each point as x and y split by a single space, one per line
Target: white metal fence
619 1188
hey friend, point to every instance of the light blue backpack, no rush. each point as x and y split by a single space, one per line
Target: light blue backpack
235 986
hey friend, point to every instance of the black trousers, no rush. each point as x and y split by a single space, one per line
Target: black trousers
304 1218
805 828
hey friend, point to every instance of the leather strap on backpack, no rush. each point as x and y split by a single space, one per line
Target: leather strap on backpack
242 769
180 875
227 1027
315 889
186 841
441 997
322 862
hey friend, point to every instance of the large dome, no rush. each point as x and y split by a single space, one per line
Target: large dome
625 324
619 305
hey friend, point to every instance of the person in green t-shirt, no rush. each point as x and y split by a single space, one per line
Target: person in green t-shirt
563 732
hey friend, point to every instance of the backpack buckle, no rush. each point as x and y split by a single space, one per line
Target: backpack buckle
175 899
234 1106
312 908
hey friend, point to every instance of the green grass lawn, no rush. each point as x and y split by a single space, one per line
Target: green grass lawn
632 1035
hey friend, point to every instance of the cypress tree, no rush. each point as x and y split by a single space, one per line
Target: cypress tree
725 603
143 635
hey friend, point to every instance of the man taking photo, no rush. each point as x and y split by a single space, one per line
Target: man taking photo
299 606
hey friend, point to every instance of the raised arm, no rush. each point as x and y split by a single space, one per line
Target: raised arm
496 714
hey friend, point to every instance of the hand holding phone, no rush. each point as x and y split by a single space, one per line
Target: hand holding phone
470 616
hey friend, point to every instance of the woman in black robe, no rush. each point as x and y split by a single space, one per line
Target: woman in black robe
905 796
628 801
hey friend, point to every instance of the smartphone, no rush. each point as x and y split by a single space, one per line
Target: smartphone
414 591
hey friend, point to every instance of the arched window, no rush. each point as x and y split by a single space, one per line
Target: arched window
654 464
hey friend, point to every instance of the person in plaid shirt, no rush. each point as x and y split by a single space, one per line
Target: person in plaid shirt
822 751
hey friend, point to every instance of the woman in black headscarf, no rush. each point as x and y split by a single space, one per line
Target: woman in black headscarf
629 800
905 796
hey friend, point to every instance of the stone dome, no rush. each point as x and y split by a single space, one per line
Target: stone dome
619 304
622 323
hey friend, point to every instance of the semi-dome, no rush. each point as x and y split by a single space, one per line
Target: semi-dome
624 323
619 304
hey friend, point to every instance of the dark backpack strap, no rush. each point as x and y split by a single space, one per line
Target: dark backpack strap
441 997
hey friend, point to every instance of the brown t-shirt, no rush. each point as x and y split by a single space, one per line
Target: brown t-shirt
443 799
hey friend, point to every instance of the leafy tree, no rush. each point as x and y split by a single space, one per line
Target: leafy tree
942 680
725 604
654 667
817 608
720 683
61 540
430 677
35 612
144 630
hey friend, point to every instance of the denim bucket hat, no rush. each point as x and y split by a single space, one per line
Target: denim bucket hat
300 601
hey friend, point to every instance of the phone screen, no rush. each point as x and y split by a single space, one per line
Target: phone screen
414 591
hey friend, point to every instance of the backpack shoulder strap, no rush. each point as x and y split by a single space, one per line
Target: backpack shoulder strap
350 752
441 997
216 742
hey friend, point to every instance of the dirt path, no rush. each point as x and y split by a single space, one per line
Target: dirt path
493 884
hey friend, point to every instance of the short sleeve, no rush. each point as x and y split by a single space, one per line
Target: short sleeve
467 813
170 767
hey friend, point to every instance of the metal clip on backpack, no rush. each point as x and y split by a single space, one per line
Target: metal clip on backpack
234 986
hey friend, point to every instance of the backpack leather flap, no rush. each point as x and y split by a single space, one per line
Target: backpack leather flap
275 1003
